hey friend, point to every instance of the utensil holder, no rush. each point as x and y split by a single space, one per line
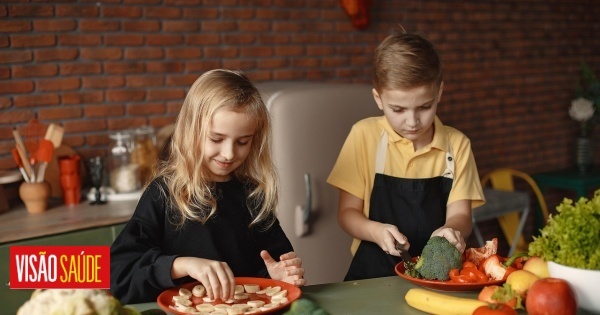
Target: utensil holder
35 196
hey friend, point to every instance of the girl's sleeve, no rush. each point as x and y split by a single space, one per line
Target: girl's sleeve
140 271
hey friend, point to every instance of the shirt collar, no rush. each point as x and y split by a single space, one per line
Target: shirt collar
440 136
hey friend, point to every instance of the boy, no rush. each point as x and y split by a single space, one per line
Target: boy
404 177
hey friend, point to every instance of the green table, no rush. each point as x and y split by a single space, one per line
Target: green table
372 296
570 179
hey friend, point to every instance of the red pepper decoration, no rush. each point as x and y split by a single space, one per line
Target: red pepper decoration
358 12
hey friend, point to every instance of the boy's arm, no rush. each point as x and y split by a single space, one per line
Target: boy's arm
352 220
458 223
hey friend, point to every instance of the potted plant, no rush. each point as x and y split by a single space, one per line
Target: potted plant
570 243
585 110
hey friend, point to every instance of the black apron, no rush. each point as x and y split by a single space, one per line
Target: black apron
416 206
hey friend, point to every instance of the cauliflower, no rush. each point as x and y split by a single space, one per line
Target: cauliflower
437 258
73 302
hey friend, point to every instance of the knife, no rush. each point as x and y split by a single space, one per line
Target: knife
403 253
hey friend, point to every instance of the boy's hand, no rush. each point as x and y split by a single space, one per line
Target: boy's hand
453 236
288 269
387 236
215 276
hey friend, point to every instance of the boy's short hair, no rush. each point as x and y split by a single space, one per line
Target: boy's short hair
404 61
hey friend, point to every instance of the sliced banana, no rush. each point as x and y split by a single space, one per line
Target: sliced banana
256 303
239 289
185 292
241 296
279 300
282 293
251 288
207 299
272 291
205 308
268 306
199 290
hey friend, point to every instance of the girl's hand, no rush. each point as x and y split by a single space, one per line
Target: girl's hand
288 269
215 276
453 236
387 236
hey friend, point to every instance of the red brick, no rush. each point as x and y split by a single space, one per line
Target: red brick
11 26
180 26
126 123
183 53
272 14
125 95
3 41
74 98
160 121
256 51
79 40
202 39
163 40
104 110
144 53
59 113
162 12
20 41
165 94
56 54
80 68
97 140
121 11
221 52
305 62
174 106
287 27
3 11
239 63
288 74
89 10
164 67
30 10
238 14
16 87
239 39
58 84
123 67
201 13
202 65
84 125
54 25
268 38
101 53
254 26
123 40
274 63
289 50
95 25
218 26
4 72
144 80
146 109
102 82
41 70
15 116
36 100
142 1
5 102
141 26
185 80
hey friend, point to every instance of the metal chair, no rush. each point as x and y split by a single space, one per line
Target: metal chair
504 179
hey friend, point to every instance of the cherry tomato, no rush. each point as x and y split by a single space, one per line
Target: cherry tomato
474 274
495 309
456 277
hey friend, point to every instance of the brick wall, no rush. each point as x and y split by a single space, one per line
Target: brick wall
102 66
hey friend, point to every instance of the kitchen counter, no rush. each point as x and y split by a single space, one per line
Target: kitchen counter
18 224
371 296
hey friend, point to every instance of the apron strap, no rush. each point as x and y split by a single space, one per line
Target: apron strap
382 152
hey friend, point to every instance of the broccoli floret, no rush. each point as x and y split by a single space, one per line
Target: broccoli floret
437 258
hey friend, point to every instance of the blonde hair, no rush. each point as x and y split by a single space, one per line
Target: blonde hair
404 61
192 195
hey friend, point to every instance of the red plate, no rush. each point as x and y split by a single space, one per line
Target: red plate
444 285
166 298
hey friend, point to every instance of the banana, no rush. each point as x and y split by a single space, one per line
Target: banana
440 304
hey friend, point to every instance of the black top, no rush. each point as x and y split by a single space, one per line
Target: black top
143 253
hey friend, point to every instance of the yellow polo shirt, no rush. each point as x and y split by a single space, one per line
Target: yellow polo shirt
354 170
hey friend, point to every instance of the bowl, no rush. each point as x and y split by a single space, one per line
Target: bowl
585 283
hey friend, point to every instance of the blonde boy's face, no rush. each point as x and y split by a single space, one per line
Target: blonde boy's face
411 113
228 143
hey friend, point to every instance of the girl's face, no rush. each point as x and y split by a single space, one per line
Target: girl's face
228 143
411 113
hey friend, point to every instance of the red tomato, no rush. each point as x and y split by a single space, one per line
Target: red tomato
495 309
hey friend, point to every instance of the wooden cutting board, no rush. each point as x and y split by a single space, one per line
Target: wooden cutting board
52 175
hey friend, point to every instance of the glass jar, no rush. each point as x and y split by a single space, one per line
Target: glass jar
124 174
144 152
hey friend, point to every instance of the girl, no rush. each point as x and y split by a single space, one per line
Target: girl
209 213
